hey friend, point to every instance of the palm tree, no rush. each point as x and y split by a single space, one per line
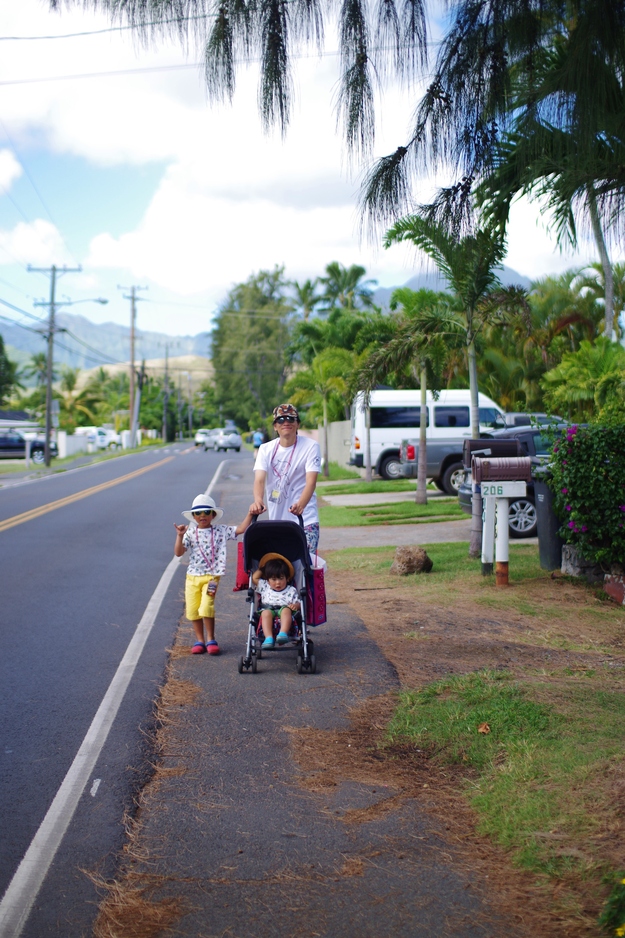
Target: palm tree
408 349
582 382
306 296
469 265
345 287
324 379
73 402
38 369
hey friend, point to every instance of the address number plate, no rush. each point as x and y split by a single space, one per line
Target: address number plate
503 489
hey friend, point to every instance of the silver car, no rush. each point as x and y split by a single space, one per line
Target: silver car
227 439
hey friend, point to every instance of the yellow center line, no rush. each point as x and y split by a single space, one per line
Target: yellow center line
60 502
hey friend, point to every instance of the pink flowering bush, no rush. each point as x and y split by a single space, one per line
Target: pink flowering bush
588 483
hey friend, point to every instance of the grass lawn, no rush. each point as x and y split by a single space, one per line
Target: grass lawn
368 488
393 513
518 696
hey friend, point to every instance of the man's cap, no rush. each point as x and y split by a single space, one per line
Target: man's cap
285 410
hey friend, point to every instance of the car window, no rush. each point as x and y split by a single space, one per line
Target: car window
452 417
489 417
397 417
542 444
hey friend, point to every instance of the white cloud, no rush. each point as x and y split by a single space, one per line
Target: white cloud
10 169
38 243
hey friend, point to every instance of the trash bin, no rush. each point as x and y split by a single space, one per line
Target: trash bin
548 524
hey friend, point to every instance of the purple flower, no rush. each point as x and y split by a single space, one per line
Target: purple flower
569 507
584 528
571 524
565 491
564 462
622 507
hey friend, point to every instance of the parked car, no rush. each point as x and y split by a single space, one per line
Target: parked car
200 436
100 437
395 417
521 511
523 420
13 446
227 439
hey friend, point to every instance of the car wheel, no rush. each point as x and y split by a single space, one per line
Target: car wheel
522 518
453 477
38 457
439 485
238 449
391 468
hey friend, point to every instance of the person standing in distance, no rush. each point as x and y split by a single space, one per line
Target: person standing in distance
285 475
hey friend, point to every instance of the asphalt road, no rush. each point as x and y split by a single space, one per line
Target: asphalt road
75 582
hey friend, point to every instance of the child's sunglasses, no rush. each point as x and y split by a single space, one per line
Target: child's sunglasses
288 419
202 514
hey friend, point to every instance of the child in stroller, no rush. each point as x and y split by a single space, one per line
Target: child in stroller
262 542
278 597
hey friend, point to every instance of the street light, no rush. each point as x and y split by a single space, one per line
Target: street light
49 333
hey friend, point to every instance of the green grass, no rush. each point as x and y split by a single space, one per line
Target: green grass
393 513
537 772
367 488
337 473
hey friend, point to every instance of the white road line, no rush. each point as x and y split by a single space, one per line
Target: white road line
24 887
95 786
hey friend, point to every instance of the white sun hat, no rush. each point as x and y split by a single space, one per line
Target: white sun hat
203 502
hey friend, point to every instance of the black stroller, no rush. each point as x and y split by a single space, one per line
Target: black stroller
288 539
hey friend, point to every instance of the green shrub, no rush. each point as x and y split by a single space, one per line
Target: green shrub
588 482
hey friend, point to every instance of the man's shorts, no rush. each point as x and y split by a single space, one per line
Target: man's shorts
312 537
198 604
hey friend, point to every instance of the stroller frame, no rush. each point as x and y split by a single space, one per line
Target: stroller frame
288 539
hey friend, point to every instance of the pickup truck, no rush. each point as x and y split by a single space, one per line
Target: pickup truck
445 466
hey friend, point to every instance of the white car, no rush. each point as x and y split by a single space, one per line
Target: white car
226 440
201 435
211 436
101 437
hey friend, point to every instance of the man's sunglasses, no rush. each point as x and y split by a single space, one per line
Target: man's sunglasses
202 514
288 419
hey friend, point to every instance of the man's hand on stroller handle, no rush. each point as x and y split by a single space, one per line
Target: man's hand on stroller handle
257 507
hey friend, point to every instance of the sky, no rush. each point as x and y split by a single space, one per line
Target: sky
139 180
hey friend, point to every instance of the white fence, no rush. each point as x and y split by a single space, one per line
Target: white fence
69 443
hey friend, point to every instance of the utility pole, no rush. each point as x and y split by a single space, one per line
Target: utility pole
131 397
49 335
165 394
190 413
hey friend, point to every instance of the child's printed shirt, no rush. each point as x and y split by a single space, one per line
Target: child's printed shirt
276 598
207 548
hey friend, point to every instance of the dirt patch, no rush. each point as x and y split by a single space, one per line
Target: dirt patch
539 629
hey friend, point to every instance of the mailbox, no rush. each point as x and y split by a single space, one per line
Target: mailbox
504 469
490 449
499 479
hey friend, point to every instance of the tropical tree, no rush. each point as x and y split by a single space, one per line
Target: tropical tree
345 288
9 379
306 297
75 410
249 342
469 265
321 384
37 368
409 349
586 380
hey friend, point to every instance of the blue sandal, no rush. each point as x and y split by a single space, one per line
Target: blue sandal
283 638
268 644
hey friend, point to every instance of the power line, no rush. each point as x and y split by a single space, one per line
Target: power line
108 29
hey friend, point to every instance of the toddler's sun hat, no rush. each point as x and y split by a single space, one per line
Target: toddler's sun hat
272 556
203 502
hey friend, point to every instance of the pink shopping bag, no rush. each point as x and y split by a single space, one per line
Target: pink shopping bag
316 589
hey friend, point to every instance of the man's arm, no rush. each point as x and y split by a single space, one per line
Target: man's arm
260 478
297 508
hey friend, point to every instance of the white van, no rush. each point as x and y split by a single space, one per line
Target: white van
395 417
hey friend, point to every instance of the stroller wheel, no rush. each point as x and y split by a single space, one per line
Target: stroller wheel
254 664
241 664
313 664
300 664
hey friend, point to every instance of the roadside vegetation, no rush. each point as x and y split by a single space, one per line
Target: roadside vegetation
518 708
338 516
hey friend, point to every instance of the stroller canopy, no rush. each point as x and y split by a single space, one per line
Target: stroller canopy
280 537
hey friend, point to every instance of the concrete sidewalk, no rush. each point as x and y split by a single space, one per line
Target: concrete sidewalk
379 498
241 839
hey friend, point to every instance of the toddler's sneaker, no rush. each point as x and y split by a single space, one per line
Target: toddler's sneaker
282 638
198 649
212 648
268 644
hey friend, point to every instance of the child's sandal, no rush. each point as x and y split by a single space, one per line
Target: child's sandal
198 649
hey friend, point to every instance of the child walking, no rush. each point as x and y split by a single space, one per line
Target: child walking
206 543
277 597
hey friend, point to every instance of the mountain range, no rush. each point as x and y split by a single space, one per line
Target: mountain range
86 344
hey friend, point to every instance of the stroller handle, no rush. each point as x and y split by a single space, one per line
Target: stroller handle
299 518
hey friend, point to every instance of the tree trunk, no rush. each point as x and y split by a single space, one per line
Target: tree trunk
608 275
475 542
368 443
421 497
326 464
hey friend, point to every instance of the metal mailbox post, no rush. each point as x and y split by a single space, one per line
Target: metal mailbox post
500 480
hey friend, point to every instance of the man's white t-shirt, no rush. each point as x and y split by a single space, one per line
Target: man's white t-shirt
286 468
